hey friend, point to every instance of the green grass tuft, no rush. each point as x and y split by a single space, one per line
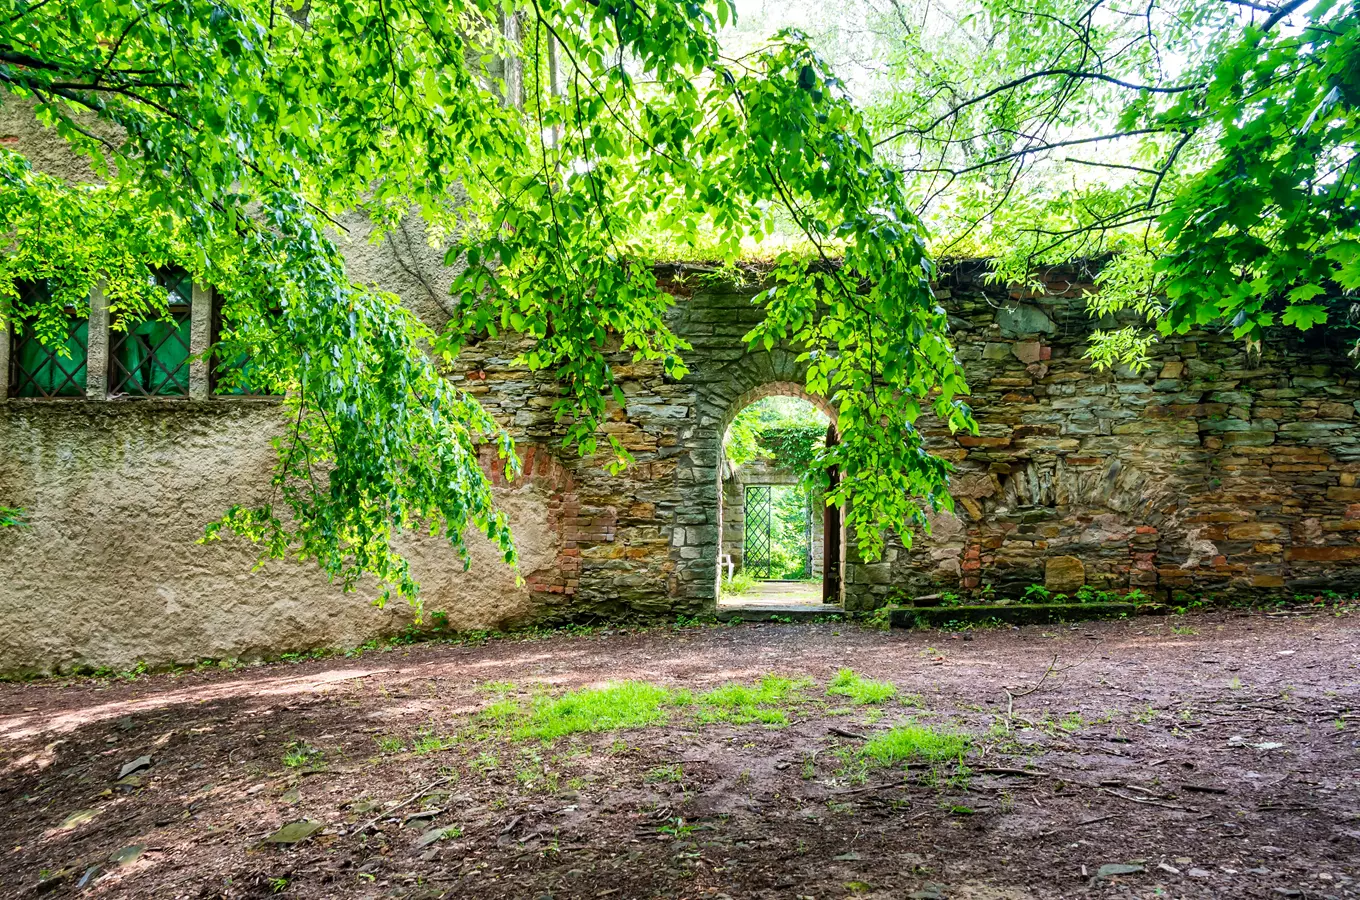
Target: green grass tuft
916 742
627 704
740 704
861 691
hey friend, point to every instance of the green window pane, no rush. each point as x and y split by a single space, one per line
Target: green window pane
54 369
151 359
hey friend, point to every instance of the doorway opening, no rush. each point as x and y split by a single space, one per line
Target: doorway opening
781 543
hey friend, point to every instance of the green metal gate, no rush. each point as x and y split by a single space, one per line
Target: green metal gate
757 559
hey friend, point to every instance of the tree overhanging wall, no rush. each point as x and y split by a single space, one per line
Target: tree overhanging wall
1211 471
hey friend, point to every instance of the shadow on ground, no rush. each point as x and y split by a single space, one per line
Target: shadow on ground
1209 756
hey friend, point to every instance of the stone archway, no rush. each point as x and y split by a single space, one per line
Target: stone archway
827 538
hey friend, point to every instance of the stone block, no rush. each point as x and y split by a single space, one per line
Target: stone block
1023 318
1027 351
1064 574
1322 554
1256 531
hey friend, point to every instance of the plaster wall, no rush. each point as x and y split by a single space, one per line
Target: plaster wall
109 572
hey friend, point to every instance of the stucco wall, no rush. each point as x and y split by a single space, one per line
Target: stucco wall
109 572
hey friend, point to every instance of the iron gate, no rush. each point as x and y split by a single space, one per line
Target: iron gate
770 541
757 559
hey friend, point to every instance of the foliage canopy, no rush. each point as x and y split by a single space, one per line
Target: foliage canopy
228 135
1211 146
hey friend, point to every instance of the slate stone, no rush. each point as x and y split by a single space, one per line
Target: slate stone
1020 319
295 832
137 765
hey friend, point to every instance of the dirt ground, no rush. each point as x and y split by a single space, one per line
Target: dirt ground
1206 756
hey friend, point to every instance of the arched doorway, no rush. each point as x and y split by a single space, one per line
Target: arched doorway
780 544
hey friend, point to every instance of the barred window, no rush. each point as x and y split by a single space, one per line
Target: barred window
52 369
151 358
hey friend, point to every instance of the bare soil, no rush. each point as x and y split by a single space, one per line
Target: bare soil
1219 763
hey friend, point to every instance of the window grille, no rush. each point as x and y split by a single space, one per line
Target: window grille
151 358
50 370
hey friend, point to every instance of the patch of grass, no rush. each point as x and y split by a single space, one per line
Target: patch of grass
500 713
916 742
666 773
853 768
427 741
298 754
861 691
389 743
740 704
627 704
738 584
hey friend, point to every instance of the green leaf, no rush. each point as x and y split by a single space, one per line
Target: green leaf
1304 317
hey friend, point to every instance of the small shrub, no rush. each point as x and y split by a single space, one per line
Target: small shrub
738 584
298 754
879 619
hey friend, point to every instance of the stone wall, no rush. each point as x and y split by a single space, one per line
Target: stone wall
1221 469
1216 470
646 543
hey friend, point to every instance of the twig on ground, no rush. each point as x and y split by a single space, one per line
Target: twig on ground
409 800
1204 788
1052 669
1147 802
841 732
866 789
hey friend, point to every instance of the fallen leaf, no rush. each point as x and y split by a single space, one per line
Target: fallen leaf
78 818
130 853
